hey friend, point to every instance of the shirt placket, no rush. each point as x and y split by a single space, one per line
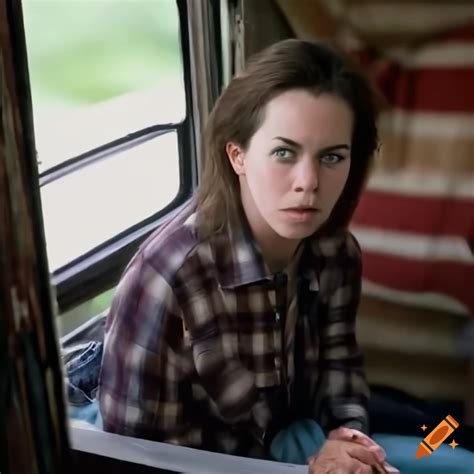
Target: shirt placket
280 282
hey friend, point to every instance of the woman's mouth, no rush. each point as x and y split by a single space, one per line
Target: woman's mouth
301 214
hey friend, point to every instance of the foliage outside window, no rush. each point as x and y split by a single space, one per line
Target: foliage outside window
104 75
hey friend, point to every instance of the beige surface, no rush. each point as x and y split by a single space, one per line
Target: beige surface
414 349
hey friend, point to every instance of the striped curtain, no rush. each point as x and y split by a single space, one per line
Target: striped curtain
415 222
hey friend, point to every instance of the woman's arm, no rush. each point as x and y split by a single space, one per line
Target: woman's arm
162 342
144 361
343 391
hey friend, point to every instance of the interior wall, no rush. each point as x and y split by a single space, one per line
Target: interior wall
264 24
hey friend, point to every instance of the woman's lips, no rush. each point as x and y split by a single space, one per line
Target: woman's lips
300 214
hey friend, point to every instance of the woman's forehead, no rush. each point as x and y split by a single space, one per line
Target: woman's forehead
302 114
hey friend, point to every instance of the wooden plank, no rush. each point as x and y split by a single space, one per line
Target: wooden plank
264 24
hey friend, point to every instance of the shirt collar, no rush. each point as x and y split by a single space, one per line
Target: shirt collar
240 262
238 258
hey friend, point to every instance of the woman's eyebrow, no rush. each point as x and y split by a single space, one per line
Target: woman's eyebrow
290 142
328 149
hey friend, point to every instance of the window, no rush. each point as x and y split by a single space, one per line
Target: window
110 87
84 208
109 109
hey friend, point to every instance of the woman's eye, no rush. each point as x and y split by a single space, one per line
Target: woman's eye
331 159
283 153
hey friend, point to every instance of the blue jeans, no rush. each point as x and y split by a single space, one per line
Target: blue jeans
303 438
296 443
82 364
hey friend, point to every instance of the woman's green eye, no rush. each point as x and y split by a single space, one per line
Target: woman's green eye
332 159
283 153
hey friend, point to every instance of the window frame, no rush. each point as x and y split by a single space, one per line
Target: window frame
98 451
100 268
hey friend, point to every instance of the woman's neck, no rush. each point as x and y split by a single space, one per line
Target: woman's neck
277 252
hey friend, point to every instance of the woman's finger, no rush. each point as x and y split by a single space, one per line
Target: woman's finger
379 452
363 454
349 434
356 436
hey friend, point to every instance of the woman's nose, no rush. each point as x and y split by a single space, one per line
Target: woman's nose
306 176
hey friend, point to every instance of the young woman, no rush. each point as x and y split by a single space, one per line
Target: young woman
237 319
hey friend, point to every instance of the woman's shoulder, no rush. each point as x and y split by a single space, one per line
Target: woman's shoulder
341 243
171 245
337 261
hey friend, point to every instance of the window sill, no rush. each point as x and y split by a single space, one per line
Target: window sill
168 458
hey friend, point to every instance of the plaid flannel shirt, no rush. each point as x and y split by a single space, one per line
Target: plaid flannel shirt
194 352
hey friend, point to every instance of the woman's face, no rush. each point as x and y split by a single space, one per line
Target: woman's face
296 165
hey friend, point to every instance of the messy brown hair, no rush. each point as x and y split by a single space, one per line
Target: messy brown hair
239 112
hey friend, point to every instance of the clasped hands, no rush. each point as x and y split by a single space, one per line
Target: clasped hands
348 451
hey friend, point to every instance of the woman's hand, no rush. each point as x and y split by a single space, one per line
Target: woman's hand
355 436
349 434
343 457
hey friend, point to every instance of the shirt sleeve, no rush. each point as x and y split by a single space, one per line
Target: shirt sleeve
159 340
343 393
143 367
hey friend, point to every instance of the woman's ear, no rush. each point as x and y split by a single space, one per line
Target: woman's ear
236 158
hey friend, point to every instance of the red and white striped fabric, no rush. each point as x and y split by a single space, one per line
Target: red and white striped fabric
415 222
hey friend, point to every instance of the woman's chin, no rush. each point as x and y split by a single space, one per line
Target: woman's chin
296 232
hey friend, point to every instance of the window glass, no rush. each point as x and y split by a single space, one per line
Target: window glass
70 320
100 71
96 202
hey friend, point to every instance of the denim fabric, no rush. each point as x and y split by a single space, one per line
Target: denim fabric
296 443
304 438
82 364
89 413
401 452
